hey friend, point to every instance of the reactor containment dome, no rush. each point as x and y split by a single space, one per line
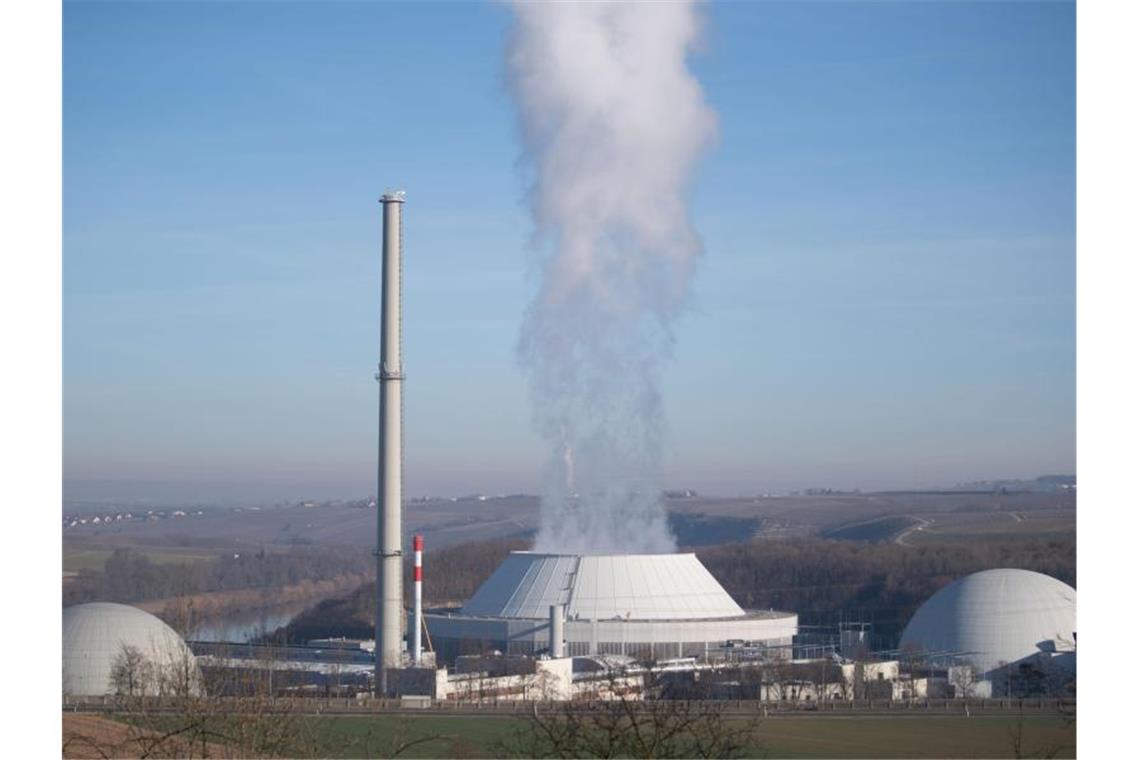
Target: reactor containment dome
96 638
642 605
998 618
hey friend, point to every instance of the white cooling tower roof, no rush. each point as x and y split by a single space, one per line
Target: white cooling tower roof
94 637
995 617
603 587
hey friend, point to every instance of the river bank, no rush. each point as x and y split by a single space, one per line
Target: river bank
213 615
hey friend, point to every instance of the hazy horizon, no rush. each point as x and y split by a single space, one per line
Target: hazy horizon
181 493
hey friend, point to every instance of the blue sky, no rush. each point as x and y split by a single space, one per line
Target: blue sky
886 297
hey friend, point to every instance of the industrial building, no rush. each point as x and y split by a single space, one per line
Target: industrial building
152 658
999 622
648 606
559 608
569 626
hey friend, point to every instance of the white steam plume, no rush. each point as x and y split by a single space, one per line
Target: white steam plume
613 123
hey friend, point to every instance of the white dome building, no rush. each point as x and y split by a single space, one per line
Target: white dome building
996 618
654 606
95 639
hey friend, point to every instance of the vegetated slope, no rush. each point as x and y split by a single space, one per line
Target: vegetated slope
881 529
444 522
131 576
822 580
882 583
451 575
695 529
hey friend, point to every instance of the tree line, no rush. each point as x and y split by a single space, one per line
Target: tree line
881 583
129 575
451 576
824 581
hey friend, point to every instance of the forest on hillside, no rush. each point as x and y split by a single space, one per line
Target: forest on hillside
824 581
451 575
129 575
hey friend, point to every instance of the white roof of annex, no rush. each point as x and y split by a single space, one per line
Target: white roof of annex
603 587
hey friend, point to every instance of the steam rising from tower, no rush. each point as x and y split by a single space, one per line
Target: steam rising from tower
612 123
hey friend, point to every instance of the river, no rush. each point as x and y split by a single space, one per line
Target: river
242 626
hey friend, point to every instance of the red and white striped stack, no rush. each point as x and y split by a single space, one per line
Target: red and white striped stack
417 608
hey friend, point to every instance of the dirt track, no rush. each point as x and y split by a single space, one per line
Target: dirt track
91 736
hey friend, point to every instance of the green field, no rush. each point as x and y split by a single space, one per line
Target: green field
887 736
918 736
94 559
382 736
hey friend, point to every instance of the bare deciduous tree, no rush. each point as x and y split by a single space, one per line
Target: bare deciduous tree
182 721
132 674
625 725
961 677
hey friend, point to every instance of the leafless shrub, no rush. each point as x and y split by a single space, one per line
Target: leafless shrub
1018 742
183 721
132 674
625 725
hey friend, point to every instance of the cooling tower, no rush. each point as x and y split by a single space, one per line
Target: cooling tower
649 606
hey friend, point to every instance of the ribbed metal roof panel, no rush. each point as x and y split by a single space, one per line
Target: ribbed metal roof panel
603 587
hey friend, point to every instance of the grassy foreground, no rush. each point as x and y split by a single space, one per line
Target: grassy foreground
887 736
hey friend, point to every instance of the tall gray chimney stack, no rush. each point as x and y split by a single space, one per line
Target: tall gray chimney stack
390 489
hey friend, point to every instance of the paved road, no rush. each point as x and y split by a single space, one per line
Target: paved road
900 539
